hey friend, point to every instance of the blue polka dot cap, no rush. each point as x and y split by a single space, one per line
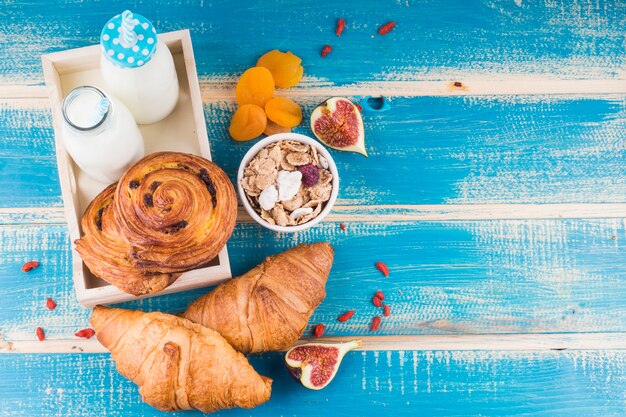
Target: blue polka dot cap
128 40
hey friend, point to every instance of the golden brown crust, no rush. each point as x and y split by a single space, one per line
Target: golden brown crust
268 307
178 214
106 252
171 212
178 365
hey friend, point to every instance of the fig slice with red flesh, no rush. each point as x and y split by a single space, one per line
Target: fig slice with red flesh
337 123
314 365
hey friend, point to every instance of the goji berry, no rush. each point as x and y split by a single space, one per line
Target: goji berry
318 330
358 106
40 334
346 316
382 268
326 50
377 301
386 310
386 28
342 226
85 333
375 323
29 266
380 295
51 304
341 25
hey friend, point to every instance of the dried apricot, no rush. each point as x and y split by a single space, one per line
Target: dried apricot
273 128
248 122
284 66
255 86
283 111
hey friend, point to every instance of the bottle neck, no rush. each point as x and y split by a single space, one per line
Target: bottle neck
87 110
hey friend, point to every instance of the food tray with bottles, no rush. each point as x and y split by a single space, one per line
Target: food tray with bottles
184 130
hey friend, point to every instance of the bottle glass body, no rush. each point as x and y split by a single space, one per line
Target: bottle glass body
149 91
104 142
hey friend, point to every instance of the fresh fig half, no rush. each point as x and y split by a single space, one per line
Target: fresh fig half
337 123
314 365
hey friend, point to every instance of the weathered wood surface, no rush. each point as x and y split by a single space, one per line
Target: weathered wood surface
401 383
425 150
434 39
473 277
499 206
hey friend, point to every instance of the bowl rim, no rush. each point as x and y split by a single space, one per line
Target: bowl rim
278 137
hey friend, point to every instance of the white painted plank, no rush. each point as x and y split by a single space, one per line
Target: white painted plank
483 342
345 212
223 88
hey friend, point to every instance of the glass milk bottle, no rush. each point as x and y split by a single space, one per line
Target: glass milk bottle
138 68
100 134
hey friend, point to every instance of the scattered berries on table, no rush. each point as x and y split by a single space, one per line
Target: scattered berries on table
346 316
29 266
318 330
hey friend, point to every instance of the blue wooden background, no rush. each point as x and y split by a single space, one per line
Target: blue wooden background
501 216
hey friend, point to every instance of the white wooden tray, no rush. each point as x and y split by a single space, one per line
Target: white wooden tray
184 130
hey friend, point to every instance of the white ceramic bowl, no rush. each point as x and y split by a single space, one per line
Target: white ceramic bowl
298 138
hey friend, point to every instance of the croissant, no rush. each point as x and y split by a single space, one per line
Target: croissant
106 252
267 308
178 365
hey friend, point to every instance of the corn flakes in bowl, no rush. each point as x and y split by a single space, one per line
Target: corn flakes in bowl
288 182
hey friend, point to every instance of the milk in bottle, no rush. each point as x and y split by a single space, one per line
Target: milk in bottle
138 68
100 134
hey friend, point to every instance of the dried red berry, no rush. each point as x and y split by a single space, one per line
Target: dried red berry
51 304
85 333
310 174
377 301
346 316
40 334
358 106
29 266
386 28
326 50
375 323
342 226
341 25
380 294
318 330
386 310
382 268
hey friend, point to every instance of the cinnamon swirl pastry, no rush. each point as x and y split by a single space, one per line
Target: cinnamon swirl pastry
169 213
106 252
177 210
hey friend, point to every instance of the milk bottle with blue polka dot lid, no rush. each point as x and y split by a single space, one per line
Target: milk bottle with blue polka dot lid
138 68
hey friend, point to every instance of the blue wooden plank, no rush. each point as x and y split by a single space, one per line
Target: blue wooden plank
583 383
446 277
433 150
425 150
28 170
433 39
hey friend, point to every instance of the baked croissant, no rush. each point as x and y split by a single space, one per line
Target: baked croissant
176 209
178 365
267 308
106 252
